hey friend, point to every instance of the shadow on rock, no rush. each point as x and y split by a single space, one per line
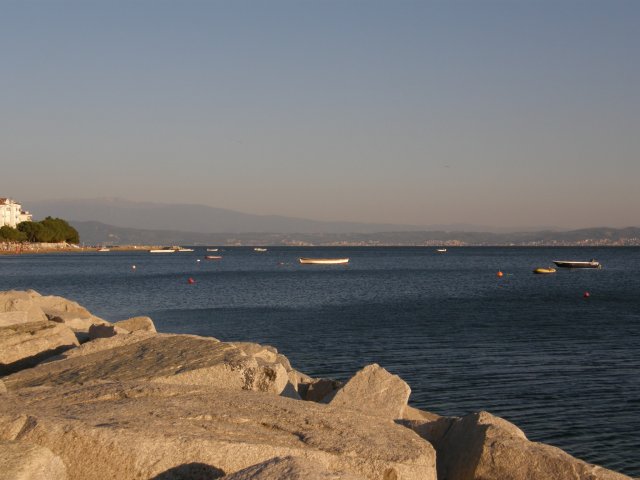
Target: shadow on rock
190 471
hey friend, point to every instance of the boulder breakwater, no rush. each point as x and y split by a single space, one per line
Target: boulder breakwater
84 398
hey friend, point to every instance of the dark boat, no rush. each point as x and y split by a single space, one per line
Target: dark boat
574 264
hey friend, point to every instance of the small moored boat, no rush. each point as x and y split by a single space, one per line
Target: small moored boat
213 257
324 261
212 249
104 249
259 249
441 250
162 250
544 271
182 249
576 264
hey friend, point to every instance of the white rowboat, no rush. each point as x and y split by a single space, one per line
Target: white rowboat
324 261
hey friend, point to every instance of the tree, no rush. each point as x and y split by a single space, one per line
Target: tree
34 231
9 234
49 230
60 231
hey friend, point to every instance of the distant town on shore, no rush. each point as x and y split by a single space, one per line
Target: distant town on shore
99 233
95 231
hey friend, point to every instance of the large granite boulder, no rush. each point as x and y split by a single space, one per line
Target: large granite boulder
137 324
373 390
410 413
289 468
181 359
100 344
24 345
8 319
24 461
52 305
482 446
19 301
80 325
29 306
316 389
105 331
70 313
266 352
106 430
270 355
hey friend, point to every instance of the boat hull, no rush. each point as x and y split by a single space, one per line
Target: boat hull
544 271
324 261
575 264
213 257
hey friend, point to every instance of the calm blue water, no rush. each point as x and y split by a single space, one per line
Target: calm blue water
525 347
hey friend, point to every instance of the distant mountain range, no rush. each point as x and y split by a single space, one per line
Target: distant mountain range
96 233
192 218
118 221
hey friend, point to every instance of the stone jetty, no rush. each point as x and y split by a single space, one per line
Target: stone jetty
83 398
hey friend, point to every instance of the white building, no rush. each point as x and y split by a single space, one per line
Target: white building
11 213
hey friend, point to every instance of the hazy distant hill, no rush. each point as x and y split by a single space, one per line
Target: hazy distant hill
205 219
98 233
193 218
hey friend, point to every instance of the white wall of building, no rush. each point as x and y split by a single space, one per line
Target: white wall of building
11 213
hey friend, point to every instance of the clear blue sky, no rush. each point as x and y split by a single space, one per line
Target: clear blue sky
503 113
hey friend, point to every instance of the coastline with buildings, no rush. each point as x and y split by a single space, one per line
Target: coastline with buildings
97 233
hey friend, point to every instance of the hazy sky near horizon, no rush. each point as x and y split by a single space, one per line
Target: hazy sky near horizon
502 113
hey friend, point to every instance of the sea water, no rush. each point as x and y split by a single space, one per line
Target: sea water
529 348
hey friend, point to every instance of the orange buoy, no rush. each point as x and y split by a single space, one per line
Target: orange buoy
191 281
499 274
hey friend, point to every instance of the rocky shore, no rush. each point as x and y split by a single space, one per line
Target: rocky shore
83 398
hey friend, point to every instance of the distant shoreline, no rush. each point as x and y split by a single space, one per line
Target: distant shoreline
39 248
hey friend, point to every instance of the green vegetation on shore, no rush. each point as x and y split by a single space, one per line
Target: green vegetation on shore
49 230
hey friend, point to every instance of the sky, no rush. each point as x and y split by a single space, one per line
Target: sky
503 113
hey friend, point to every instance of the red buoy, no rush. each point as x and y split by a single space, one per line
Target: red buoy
191 281
586 295
499 274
